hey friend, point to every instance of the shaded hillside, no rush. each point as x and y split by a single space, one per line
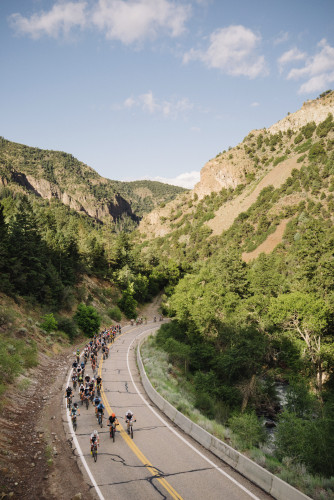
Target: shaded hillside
54 174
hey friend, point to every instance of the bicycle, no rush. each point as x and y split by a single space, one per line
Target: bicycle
130 427
69 401
94 451
98 389
100 418
112 431
87 401
74 384
74 422
104 356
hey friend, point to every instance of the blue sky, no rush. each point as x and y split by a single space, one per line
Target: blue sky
155 88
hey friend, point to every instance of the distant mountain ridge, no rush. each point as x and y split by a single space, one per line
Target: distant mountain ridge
55 174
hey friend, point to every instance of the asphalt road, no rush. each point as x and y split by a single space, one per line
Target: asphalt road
161 462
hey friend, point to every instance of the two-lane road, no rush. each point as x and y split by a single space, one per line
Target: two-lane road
161 461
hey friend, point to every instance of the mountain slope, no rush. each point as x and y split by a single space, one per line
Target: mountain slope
54 174
263 159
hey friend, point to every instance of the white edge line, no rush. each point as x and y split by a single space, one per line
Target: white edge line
179 435
80 454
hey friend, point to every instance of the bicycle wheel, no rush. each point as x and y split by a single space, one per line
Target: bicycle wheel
74 425
131 432
87 403
113 434
95 454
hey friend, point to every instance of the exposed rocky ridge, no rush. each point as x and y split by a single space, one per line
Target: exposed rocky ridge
225 172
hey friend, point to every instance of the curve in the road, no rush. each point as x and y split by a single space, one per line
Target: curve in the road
121 469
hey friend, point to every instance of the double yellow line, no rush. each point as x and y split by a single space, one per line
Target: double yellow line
165 484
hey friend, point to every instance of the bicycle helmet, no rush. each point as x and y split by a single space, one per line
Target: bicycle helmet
75 405
113 415
95 433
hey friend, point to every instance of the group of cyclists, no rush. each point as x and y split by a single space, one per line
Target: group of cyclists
90 387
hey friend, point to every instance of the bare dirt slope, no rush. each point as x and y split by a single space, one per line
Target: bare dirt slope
228 212
267 246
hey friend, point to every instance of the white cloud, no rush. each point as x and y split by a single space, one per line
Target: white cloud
129 102
128 21
186 180
150 104
318 70
291 55
134 20
255 104
60 19
233 51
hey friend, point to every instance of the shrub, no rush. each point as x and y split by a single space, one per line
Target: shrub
68 326
49 323
279 160
128 304
87 319
115 313
298 138
308 130
248 429
324 127
317 152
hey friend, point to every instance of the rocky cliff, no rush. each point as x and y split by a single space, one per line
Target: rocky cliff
230 168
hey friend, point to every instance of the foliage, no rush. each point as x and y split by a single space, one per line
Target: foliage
49 323
87 319
324 127
68 326
248 428
309 441
115 313
128 303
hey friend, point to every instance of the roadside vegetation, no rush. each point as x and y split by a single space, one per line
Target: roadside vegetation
243 431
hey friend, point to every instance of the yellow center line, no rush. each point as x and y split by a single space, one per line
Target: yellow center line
135 448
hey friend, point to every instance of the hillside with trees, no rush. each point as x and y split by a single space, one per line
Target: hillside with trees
243 329
243 324
58 175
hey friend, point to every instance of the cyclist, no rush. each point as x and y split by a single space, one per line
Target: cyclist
74 365
100 411
86 393
91 384
81 391
98 383
74 380
94 438
129 417
74 411
68 393
87 379
112 420
96 402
